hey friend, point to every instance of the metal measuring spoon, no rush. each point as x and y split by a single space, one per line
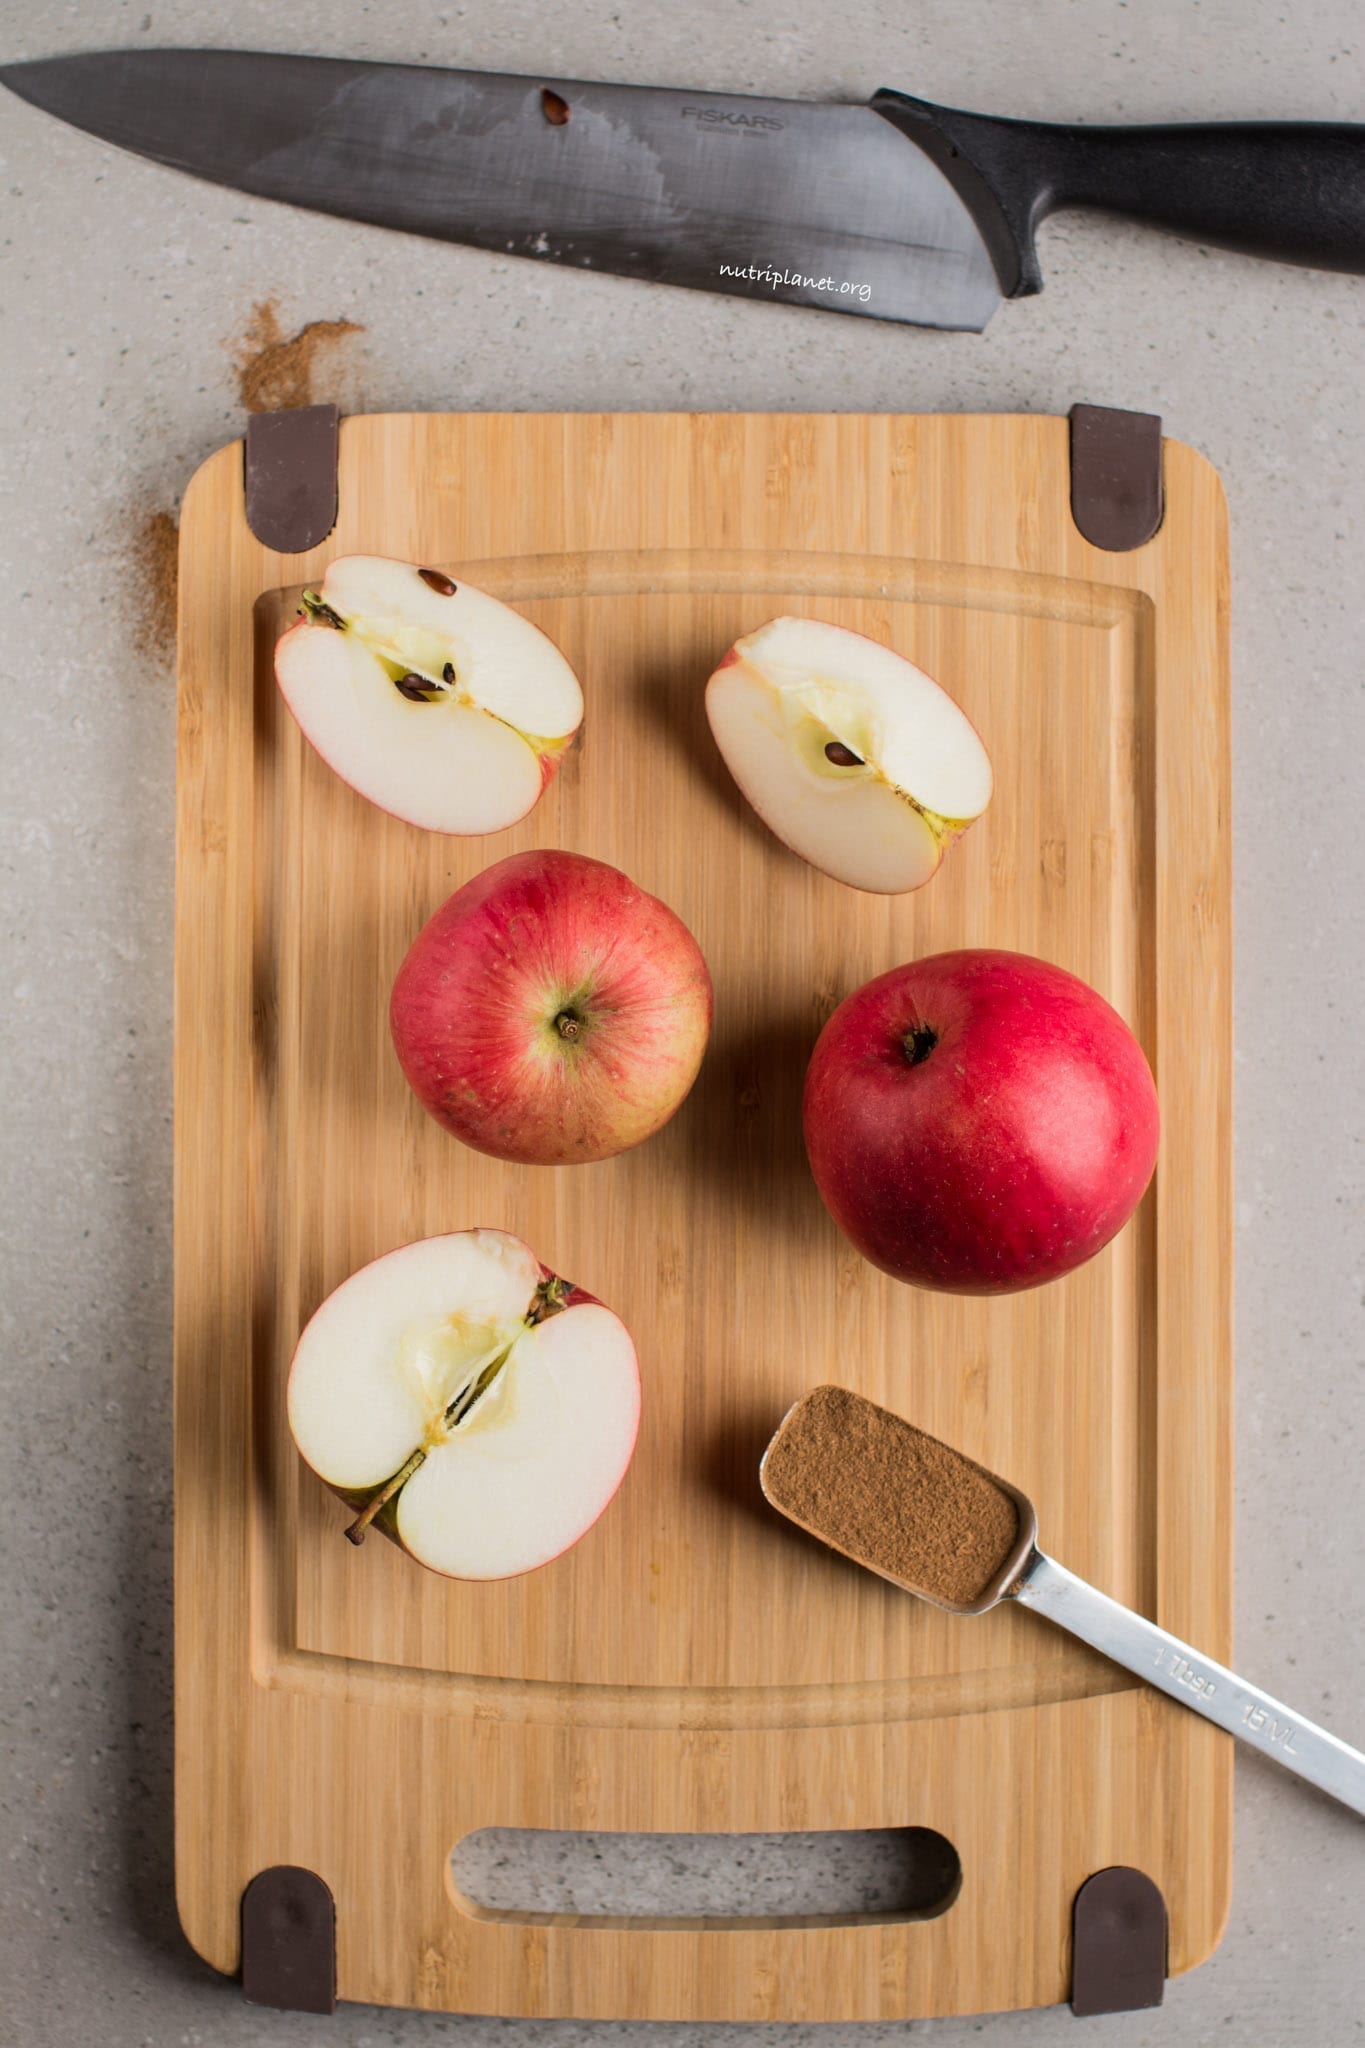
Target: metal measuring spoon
832 1424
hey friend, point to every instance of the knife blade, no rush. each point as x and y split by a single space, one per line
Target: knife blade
896 210
757 197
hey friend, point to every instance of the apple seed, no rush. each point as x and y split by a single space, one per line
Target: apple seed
414 687
842 756
556 110
438 581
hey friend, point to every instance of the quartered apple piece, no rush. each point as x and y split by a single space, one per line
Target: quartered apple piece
849 753
467 1402
430 698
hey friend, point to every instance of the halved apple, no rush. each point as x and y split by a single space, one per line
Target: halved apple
434 700
854 757
468 1402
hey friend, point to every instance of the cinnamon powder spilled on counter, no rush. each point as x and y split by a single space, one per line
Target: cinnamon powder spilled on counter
276 371
156 555
889 1496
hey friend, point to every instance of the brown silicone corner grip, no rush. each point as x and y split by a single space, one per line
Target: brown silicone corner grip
1118 1925
289 1941
1116 492
291 477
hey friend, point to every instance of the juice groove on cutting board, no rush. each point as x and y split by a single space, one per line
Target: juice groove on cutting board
695 1663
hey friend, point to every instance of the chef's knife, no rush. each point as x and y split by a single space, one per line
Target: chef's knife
897 210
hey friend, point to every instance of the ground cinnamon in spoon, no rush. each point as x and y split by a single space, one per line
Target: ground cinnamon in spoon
882 1491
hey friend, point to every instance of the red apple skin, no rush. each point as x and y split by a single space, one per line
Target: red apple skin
474 1009
1010 1153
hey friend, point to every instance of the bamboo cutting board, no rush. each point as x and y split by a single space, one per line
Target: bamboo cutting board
695 1664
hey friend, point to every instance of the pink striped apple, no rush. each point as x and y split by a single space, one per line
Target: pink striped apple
551 1011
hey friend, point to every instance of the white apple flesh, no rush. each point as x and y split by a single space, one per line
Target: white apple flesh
854 757
468 1402
434 700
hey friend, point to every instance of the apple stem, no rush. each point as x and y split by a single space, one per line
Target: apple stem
549 1300
568 1025
918 1042
314 607
356 1532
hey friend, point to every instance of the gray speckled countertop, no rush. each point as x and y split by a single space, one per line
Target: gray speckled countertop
125 290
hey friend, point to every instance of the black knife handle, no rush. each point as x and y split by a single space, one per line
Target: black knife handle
1290 190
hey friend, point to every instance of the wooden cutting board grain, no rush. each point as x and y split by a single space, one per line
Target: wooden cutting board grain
695 1664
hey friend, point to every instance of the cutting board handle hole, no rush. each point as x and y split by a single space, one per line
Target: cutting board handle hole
541 1876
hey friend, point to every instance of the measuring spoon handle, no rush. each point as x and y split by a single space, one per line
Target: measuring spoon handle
1196 1681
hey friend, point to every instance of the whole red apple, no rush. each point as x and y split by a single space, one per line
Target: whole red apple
551 1011
979 1121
